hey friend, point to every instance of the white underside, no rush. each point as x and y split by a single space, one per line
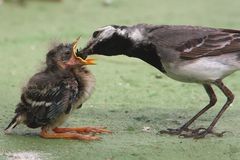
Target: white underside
206 69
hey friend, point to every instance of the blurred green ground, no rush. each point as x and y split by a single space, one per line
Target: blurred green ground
129 93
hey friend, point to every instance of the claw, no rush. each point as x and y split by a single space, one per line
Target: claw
191 133
83 130
45 134
172 131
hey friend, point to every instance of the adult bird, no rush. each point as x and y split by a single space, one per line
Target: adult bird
189 54
52 94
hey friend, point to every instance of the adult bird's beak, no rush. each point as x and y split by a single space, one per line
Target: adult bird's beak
77 59
88 49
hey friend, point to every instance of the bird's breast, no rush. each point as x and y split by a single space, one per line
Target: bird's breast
205 69
86 87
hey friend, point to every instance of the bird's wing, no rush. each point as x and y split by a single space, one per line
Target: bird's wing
45 104
210 45
194 42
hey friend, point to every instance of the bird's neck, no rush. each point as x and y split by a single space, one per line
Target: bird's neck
52 68
147 53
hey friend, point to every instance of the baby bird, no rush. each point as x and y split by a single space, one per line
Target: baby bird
52 94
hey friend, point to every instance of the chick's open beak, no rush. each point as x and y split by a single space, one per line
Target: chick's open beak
75 59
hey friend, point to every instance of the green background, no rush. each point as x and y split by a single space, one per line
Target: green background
129 94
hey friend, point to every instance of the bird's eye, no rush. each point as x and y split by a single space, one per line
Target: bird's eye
67 53
96 33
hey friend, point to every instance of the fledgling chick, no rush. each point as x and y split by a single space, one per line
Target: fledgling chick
52 94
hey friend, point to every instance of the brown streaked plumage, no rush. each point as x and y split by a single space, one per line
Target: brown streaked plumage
52 94
189 54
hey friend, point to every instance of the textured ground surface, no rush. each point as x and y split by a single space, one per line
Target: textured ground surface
129 95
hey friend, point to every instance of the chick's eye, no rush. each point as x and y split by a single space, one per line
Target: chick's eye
96 33
67 53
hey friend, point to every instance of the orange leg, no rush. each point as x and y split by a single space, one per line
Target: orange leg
45 134
82 130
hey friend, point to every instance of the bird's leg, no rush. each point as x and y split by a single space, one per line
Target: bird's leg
184 128
77 136
201 133
82 130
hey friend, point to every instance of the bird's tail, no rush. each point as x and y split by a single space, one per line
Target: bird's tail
18 118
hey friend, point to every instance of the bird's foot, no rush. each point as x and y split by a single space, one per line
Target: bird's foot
82 130
77 136
200 133
176 131
191 133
